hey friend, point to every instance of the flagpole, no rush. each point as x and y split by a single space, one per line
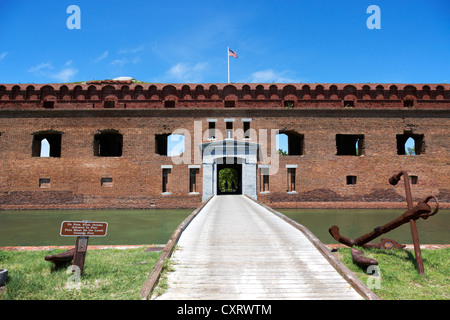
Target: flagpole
228 55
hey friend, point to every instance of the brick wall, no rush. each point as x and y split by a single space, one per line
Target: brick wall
139 113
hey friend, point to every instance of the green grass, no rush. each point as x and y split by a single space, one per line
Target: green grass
398 276
113 274
109 274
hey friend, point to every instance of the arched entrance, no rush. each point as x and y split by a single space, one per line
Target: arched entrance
229 177
239 157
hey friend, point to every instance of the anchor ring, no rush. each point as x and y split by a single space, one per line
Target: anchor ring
425 216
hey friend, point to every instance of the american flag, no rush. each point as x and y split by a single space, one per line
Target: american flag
232 53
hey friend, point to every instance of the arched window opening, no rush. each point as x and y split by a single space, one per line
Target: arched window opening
46 144
282 144
410 144
45 148
410 147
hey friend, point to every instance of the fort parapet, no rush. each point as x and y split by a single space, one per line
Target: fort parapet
125 95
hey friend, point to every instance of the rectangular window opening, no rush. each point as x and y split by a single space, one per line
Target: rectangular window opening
106 182
265 183
165 180
109 104
108 143
161 144
49 104
193 180
410 144
291 143
291 179
349 103
169 104
212 130
47 144
44 183
247 130
264 180
408 103
288 104
351 180
230 103
229 127
413 179
350 145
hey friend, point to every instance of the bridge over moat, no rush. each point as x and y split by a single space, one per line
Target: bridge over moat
236 248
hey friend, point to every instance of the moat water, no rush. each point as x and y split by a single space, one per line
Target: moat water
354 223
131 227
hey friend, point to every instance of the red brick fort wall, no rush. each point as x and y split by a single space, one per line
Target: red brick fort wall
77 178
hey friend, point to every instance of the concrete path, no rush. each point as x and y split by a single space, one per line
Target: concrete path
236 249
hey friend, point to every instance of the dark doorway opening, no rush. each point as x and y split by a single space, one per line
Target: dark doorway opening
229 176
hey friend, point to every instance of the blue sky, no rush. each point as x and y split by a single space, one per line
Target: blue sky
186 41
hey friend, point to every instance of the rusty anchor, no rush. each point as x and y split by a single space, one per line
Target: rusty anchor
413 213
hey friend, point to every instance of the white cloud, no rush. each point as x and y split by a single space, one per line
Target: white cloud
45 69
65 75
3 55
41 66
124 61
132 50
270 76
104 55
127 59
119 62
183 72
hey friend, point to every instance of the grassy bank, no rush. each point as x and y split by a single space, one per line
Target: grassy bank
398 277
112 274
109 274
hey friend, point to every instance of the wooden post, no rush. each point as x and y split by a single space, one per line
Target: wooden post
80 252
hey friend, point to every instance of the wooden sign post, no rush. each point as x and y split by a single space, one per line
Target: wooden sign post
82 230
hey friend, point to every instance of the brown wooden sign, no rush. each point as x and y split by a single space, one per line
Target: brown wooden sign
83 228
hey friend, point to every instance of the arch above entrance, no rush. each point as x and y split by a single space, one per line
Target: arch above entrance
229 148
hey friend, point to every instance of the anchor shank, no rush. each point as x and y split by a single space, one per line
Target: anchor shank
381 230
409 215
409 201
417 251
412 222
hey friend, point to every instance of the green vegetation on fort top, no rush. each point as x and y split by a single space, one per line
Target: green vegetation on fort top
84 82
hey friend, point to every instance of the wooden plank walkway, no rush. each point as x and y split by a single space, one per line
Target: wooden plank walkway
237 249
